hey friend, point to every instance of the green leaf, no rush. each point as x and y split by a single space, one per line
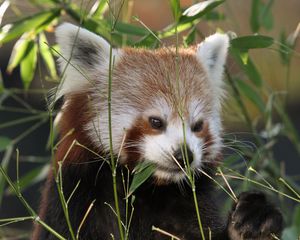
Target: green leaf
214 16
101 26
255 13
148 41
188 19
28 64
254 41
170 30
141 173
47 56
267 20
244 57
32 23
297 218
4 143
198 10
190 38
32 177
248 66
3 7
98 9
131 29
261 15
18 53
251 94
176 10
253 73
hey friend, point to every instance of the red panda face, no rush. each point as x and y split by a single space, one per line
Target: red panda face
164 106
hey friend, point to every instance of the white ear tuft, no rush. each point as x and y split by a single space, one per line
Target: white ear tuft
83 55
212 54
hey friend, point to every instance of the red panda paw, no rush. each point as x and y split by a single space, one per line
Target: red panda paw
254 217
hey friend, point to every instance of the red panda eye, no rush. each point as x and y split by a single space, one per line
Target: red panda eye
198 126
156 123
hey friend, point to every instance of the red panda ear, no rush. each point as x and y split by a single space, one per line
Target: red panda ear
82 55
212 54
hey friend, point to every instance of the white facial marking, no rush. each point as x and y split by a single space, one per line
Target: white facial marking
98 128
159 149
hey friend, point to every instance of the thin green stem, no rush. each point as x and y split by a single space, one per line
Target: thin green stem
243 178
164 233
22 120
27 206
84 218
197 211
18 110
7 221
59 184
17 168
289 187
112 157
47 227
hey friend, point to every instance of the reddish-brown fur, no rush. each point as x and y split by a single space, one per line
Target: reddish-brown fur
71 128
140 128
75 114
160 76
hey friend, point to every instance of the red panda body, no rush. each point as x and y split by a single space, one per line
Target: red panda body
161 100
166 207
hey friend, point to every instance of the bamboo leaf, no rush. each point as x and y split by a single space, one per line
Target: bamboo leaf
28 64
12 31
47 56
18 53
247 65
254 18
4 6
98 9
251 94
198 10
254 41
141 173
190 38
297 218
32 177
4 143
131 29
170 30
148 41
214 16
253 73
261 15
267 18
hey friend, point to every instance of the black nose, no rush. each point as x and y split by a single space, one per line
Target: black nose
183 156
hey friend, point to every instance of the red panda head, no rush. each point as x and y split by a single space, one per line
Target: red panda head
165 104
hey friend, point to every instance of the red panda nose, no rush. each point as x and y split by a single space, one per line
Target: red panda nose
182 156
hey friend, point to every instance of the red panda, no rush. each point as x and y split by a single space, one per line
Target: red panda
161 100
